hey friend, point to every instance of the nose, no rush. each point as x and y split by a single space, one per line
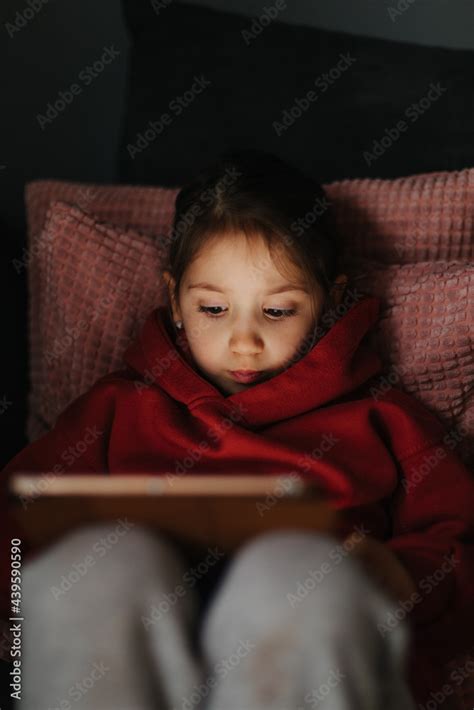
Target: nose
245 340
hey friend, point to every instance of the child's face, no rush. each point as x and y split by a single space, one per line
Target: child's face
237 323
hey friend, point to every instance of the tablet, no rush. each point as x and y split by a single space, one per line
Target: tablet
195 509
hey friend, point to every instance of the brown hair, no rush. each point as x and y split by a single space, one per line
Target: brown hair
256 193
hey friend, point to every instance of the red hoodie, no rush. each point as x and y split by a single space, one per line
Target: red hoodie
383 458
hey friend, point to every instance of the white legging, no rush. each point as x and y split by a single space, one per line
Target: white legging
114 620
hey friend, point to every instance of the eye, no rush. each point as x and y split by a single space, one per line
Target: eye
208 310
282 312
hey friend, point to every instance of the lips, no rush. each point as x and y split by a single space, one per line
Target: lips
246 375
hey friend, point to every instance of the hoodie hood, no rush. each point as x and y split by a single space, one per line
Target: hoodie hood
341 361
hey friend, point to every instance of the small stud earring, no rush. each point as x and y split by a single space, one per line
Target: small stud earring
178 324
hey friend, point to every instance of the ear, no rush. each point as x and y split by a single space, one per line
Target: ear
170 283
338 288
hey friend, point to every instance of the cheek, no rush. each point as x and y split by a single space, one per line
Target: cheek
201 338
284 346
198 327
295 338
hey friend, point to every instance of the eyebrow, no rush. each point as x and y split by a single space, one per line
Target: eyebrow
279 289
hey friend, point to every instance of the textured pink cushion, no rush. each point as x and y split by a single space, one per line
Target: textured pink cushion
425 337
423 217
96 285
145 208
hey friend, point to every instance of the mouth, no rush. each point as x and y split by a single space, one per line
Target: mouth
246 375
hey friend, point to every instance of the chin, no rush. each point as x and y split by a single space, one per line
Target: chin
230 387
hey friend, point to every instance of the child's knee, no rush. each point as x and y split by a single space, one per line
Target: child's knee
120 537
283 573
281 544
256 588
96 560
291 560
291 582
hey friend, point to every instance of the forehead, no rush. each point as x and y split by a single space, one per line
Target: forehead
232 256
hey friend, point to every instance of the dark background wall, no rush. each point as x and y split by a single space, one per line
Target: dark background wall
64 37
446 23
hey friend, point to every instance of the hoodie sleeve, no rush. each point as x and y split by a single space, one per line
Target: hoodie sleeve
77 443
433 520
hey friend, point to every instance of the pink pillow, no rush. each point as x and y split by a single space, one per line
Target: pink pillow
425 217
96 285
424 336
147 209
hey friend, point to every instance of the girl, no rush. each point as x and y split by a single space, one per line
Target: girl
260 363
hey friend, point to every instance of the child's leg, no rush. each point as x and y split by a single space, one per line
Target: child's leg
289 628
102 628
